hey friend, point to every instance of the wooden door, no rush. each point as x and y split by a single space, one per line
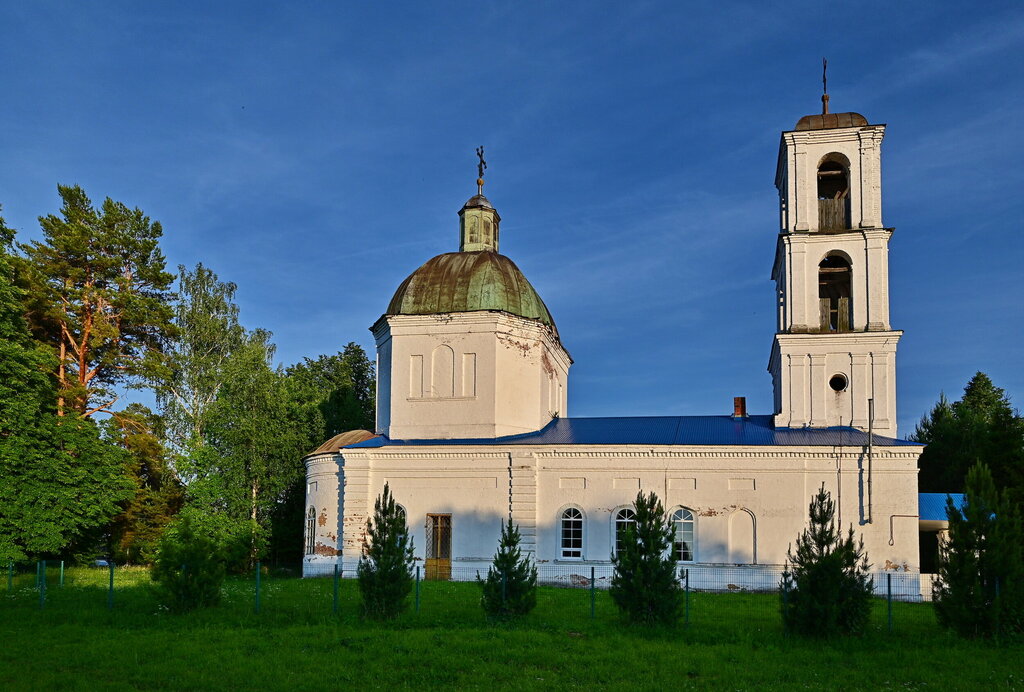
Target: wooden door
439 546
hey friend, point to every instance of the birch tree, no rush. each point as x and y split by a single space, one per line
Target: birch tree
206 318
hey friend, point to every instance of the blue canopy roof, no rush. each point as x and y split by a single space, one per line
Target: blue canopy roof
666 430
932 506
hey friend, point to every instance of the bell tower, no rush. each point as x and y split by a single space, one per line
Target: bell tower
834 352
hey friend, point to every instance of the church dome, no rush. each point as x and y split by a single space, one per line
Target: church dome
340 440
831 121
469 281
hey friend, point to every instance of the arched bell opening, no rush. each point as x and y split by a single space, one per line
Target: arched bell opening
834 294
833 193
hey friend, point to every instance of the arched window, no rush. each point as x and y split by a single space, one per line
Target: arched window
571 543
400 510
682 535
834 294
311 531
833 194
624 519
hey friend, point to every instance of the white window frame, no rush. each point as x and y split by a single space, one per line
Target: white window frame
619 518
567 552
678 526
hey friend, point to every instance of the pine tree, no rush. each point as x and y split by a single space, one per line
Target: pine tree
826 588
511 584
979 591
385 569
101 299
644 584
58 479
981 426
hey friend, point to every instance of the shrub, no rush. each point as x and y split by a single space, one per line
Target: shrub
189 567
385 568
511 584
978 591
644 585
826 588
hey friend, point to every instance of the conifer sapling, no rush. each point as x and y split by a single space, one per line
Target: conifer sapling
826 588
385 569
644 585
511 584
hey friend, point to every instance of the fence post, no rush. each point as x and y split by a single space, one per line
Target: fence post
417 588
593 594
39 563
998 609
785 608
10 576
110 588
888 583
257 587
686 596
335 588
42 586
62 574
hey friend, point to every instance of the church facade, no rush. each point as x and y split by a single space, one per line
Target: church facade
472 405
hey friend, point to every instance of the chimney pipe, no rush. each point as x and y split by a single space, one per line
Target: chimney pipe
739 407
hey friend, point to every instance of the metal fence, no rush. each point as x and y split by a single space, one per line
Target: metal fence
746 596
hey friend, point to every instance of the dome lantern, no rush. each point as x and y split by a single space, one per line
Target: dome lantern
478 220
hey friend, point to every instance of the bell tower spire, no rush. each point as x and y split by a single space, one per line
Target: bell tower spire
834 352
478 220
824 86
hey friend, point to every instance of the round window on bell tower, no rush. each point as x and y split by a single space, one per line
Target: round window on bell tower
838 382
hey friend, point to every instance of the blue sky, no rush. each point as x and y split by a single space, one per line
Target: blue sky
317 153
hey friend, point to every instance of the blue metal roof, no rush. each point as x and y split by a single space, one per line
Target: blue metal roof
666 430
932 506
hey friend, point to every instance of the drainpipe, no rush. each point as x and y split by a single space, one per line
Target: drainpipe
871 444
510 486
839 477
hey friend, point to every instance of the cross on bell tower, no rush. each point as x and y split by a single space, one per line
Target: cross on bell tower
834 352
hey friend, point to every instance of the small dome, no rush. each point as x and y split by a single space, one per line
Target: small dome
342 440
466 282
478 201
831 121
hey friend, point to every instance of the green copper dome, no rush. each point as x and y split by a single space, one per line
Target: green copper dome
468 281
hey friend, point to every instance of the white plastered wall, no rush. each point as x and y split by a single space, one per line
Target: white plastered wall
479 374
770 486
801 366
800 153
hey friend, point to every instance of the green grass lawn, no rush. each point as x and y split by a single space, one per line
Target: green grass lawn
296 642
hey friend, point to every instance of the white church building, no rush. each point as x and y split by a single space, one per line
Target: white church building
473 421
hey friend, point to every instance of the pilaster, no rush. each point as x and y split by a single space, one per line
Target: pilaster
523 498
819 415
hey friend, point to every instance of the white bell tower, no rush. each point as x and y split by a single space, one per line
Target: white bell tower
834 349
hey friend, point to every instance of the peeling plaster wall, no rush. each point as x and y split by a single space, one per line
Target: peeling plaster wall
323 473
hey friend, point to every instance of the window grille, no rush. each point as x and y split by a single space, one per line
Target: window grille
311 531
